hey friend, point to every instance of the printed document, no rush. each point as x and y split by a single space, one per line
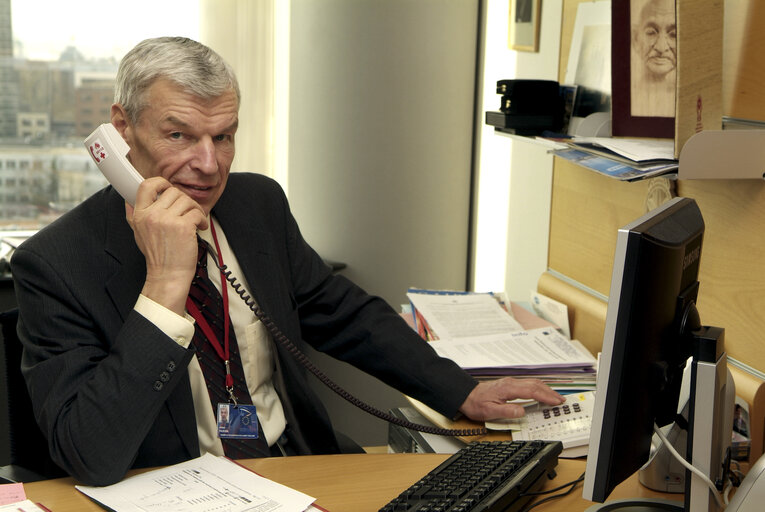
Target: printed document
536 348
12 493
23 506
463 315
202 484
636 150
552 311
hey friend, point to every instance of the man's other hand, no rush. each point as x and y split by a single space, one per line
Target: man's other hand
489 399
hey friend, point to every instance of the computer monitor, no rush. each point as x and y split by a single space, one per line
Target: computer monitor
652 330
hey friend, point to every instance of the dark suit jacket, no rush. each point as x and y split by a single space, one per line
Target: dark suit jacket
111 391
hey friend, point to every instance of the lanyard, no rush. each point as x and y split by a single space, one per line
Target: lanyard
222 351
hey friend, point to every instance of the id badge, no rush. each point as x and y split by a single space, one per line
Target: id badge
237 421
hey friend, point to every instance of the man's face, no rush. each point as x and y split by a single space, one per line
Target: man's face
657 40
185 139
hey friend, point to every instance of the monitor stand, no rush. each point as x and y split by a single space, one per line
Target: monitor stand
710 425
638 505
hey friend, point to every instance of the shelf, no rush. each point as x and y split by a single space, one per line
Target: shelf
724 154
736 152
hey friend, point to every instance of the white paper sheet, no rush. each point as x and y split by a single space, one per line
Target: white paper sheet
637 150
552 311
463 315
202 484
536 348
21 506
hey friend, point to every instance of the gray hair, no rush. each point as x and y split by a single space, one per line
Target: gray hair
190 65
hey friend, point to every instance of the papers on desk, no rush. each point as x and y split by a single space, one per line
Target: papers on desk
476 332
539 350
199 485
13 498
459 315
551 310
23 506
12 493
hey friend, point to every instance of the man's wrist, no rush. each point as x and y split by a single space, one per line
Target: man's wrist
180 328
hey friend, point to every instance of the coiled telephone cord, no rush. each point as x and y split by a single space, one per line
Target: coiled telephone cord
282 339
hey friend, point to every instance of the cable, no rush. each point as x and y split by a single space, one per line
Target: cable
726 493
689 466
572 484
548 491
282 339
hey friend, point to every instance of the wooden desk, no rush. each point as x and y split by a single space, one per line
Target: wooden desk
345 483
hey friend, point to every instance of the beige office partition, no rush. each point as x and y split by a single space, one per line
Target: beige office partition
587 210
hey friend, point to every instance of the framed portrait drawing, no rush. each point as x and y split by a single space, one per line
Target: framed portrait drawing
644 68
523 28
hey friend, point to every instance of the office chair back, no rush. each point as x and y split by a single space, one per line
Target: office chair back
29 458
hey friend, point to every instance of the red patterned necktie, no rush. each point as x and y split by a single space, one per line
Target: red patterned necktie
206 298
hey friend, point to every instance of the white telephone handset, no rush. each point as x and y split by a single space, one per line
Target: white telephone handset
108 150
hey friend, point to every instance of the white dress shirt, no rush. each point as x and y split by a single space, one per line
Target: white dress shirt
255 350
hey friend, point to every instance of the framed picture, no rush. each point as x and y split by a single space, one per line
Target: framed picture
644 68
523 29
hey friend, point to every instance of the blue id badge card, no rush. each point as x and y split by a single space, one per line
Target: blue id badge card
237 421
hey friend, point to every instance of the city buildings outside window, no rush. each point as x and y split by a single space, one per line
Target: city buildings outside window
56 86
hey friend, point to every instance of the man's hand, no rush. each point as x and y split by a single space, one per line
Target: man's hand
165 223
488 400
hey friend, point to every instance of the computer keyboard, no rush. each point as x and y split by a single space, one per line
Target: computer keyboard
486 476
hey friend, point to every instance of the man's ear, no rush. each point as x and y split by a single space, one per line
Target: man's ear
119 119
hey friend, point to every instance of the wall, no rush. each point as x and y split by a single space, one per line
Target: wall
379 149
744 60
514 177
587 210
356 147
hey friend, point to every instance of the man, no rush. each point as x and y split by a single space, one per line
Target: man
654 58
118 372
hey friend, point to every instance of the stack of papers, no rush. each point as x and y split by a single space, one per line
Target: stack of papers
623 159
477 332
542 353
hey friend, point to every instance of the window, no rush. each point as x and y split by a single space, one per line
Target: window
57 61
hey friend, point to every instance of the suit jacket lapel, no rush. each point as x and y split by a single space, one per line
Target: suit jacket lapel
128 264
255 254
